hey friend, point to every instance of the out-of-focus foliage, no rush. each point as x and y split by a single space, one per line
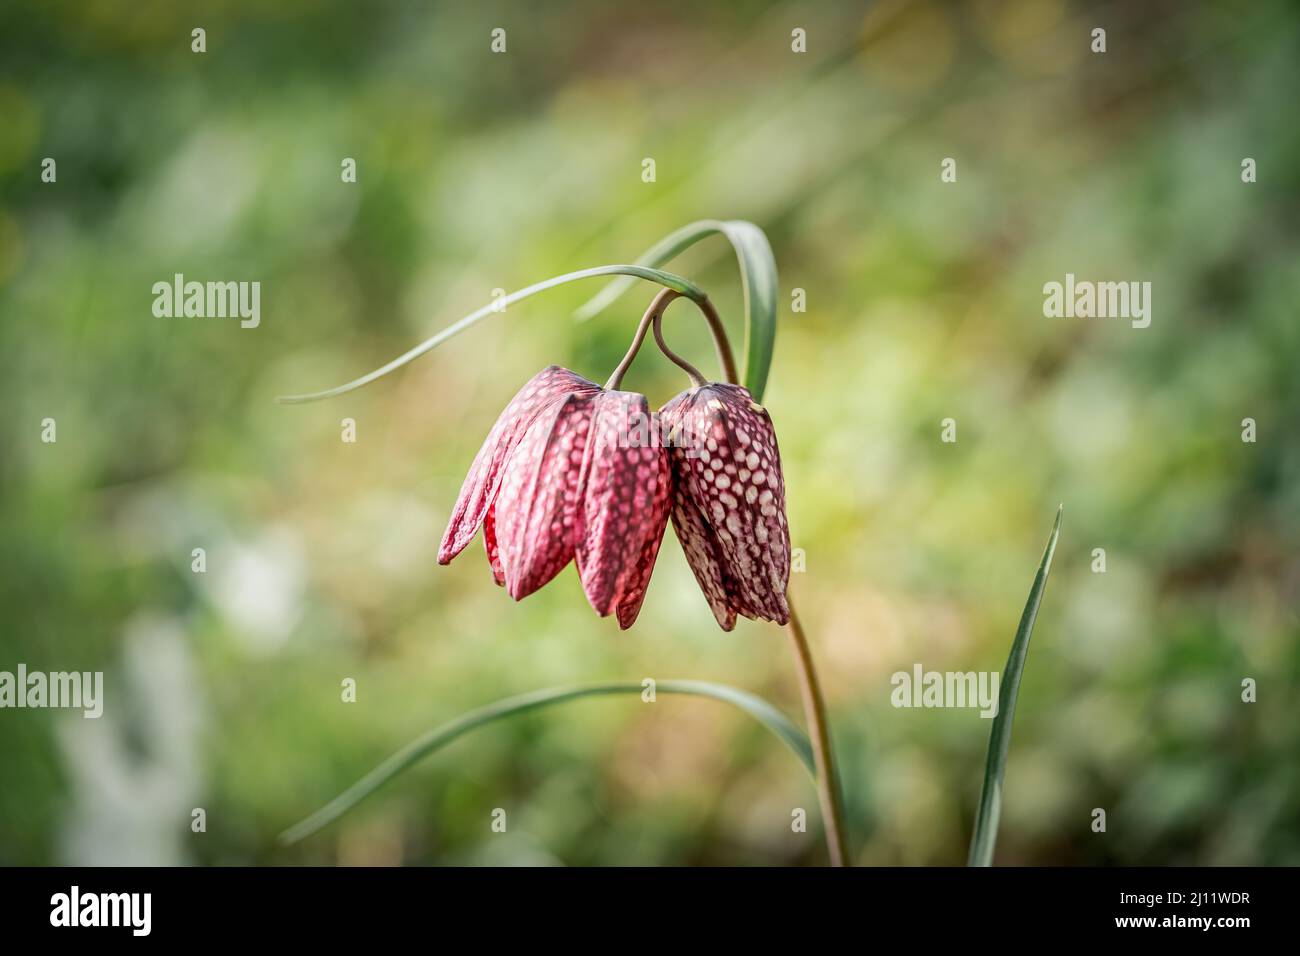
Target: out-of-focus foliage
479 171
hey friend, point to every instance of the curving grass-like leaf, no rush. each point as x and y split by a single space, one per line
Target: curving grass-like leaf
758 280
990 808
439 737
678 284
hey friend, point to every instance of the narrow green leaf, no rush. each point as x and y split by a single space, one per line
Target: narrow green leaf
665 250
439 737
758 275
758 280
675 282
990 809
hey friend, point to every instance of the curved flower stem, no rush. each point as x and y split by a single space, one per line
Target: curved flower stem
657 306
828 784
829 794
697 379
654 314
720 343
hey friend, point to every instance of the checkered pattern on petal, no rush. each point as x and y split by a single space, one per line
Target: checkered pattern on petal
538 510
482 484
702 555
726 463
626 486
629 605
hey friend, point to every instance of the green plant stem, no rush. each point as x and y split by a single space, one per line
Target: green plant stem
654 316
720 343
697 378
657 306
814 706
757 280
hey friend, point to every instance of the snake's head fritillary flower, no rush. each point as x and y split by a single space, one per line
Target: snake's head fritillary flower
569 471
729 506
539 394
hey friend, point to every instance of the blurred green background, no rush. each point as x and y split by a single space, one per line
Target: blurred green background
479 171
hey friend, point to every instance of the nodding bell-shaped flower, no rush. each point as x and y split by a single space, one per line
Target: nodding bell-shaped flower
729 505
570 471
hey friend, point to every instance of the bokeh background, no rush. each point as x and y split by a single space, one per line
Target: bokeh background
479 171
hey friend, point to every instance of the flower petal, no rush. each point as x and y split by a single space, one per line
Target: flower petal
483 481
538 510
726 461
629 605
702 555
626 484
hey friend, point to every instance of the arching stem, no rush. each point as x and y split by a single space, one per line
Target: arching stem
829 794
697 379
819 730
720 343
653 316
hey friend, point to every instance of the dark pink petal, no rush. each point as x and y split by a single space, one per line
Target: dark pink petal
629 605
541 392
702 556
726 462
626 483
538 510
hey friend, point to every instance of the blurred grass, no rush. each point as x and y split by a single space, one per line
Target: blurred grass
479 171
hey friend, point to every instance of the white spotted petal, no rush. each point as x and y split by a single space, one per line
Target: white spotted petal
727 466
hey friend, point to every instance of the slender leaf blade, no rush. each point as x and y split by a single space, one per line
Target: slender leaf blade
985 836
441 736
677 283
759 281
663 251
